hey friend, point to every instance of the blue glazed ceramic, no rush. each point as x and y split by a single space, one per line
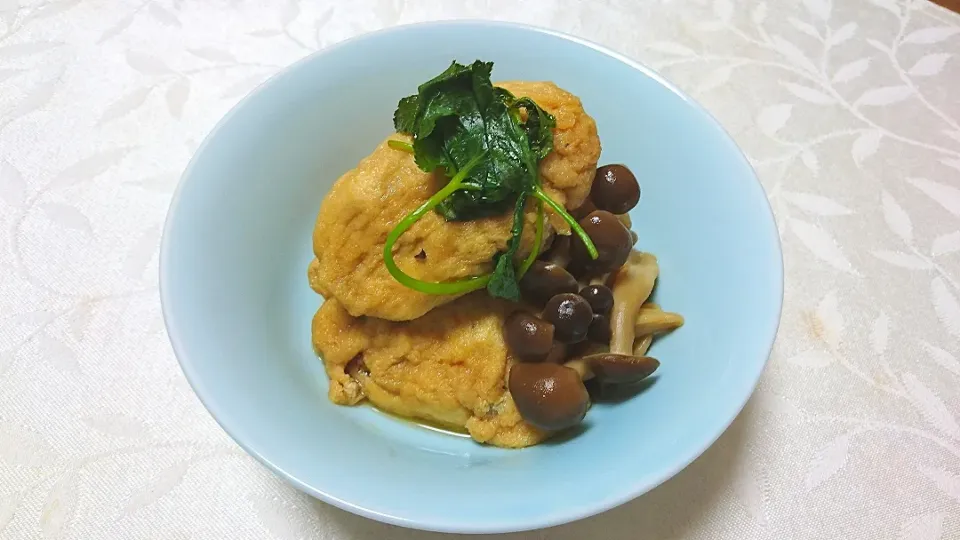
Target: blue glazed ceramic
238 308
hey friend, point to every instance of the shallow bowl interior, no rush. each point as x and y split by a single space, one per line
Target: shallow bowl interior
238 308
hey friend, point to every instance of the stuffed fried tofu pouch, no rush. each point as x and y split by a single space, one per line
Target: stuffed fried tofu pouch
366 203
448 367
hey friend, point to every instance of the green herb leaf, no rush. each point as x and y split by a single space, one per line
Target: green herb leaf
454 287
405 115
539 127
456 117
504 284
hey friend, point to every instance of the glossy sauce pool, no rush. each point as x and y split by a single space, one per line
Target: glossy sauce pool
422 424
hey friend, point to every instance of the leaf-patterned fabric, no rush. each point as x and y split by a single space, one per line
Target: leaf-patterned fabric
849 111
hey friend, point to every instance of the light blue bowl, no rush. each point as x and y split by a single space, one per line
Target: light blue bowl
238 308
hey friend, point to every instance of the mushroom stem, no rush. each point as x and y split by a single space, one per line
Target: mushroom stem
600 279
642 345
595 279
580 366
579 360
655 321
632 286
557 353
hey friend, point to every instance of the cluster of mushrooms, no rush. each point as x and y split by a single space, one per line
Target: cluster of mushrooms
593 321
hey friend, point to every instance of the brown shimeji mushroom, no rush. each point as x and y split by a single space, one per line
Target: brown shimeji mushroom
598 295
553 397
631 287
530 339
583 210
612 240
549 277
549 396
600 298
615 189
527 336
571 315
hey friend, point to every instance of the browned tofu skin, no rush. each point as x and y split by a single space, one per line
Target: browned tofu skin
447 367
367 202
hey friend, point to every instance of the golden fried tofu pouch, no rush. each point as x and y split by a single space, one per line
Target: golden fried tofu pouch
447 367
366 203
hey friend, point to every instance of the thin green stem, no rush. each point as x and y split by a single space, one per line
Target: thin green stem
577 229
400 145
537 241
451 287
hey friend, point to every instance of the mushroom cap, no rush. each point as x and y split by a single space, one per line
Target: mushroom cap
583 210
615 189
527 336
621 368
557 354
544 280
599 296
549 396
570 315
609 236
599 330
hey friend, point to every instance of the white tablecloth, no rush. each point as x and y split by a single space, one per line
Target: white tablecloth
849 110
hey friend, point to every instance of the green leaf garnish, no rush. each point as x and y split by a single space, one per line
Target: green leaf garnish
537 241
405 114
504 284
489 143
452 287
